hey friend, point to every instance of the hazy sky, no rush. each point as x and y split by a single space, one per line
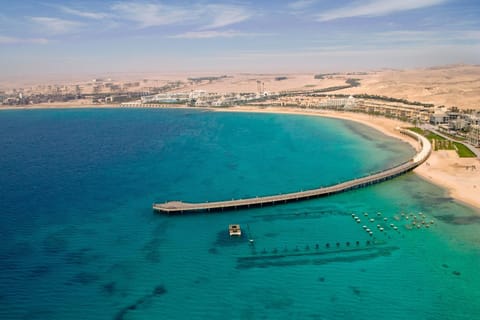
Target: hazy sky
70 37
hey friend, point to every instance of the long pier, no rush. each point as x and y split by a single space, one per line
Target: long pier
178 207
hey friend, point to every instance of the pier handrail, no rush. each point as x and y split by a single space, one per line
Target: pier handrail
175 207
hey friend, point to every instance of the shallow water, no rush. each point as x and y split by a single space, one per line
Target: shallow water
79 239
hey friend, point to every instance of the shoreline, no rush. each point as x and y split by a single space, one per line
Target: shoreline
443 168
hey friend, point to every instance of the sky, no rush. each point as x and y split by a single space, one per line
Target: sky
96 37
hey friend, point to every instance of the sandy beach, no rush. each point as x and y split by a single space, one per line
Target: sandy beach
459 176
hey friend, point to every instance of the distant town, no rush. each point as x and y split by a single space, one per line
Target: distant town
461 124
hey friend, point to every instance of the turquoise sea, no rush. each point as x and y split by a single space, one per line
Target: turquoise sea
79 240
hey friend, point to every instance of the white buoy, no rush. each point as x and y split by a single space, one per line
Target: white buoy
379 213
372 220
381 229
395 228
364 227
365 214
368 230
392 225
385 219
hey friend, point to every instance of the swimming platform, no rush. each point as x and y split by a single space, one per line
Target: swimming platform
425 149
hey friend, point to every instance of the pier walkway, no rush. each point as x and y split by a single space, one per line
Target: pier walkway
178 207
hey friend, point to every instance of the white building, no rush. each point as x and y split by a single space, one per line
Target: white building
473 136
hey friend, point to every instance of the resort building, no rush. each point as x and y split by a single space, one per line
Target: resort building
439 117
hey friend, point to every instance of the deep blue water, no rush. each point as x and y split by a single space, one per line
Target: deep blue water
79 238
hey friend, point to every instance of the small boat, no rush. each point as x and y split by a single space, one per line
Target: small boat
234 230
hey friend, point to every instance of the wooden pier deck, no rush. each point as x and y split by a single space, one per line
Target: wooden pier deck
178 207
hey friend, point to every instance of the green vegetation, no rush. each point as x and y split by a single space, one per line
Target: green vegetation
463 151
441 143
200 79
390 99
353 82
321 76
417 130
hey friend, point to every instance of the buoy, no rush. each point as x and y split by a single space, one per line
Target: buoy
431 222
372 220
379 213
395 228
381 229
378 226
364 227
392 225
353 215
385 219
427 226
368 230
370 233
365 214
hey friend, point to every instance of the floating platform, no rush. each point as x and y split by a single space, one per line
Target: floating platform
178 207
234 230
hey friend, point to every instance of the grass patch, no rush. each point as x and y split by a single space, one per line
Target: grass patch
427 134
417 130
441 143
463 151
